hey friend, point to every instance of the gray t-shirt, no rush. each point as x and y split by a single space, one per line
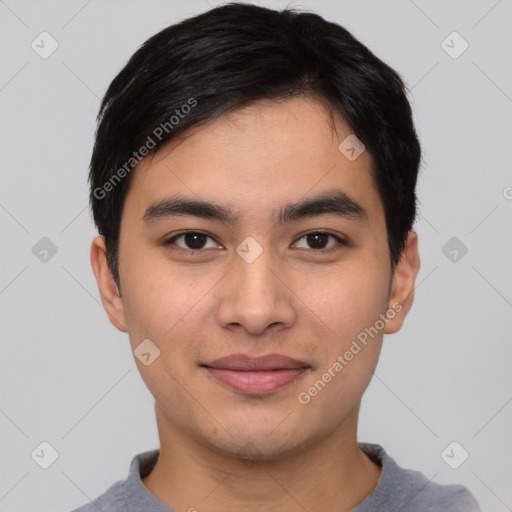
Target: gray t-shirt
398 490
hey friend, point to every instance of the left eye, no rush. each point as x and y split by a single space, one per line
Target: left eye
319 240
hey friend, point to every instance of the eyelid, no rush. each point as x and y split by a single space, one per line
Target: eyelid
172 239
340 239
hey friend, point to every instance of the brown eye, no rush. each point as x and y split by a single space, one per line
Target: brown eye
319 240
194 240
191 241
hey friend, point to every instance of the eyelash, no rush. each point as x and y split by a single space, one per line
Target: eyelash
196 252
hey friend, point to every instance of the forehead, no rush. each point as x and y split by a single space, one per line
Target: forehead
268 152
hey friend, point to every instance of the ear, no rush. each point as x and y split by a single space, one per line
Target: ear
109 293
404 280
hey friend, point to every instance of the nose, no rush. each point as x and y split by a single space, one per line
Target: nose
255 296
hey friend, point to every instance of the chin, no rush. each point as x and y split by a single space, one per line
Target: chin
249 444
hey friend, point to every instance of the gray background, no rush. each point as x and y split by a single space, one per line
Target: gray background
68 377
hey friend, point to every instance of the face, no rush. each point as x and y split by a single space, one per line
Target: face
286 269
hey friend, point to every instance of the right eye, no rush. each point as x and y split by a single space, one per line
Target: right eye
190 241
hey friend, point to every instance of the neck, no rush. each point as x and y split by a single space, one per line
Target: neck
333 474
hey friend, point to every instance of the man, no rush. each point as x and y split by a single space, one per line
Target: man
253 183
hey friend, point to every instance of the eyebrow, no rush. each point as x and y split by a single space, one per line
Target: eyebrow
334 202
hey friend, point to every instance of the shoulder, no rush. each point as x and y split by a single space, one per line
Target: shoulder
112 500
129 494
433 497
411 491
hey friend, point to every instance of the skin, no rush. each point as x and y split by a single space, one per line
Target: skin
222 449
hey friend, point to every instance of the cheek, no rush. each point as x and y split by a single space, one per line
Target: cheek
155 295
164 310
353 303
171 307
347 300
159 309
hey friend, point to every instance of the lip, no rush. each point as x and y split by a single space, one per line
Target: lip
256 375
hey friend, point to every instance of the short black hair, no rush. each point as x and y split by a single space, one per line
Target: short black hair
230 57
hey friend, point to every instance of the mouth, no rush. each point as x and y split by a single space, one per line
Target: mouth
256 375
